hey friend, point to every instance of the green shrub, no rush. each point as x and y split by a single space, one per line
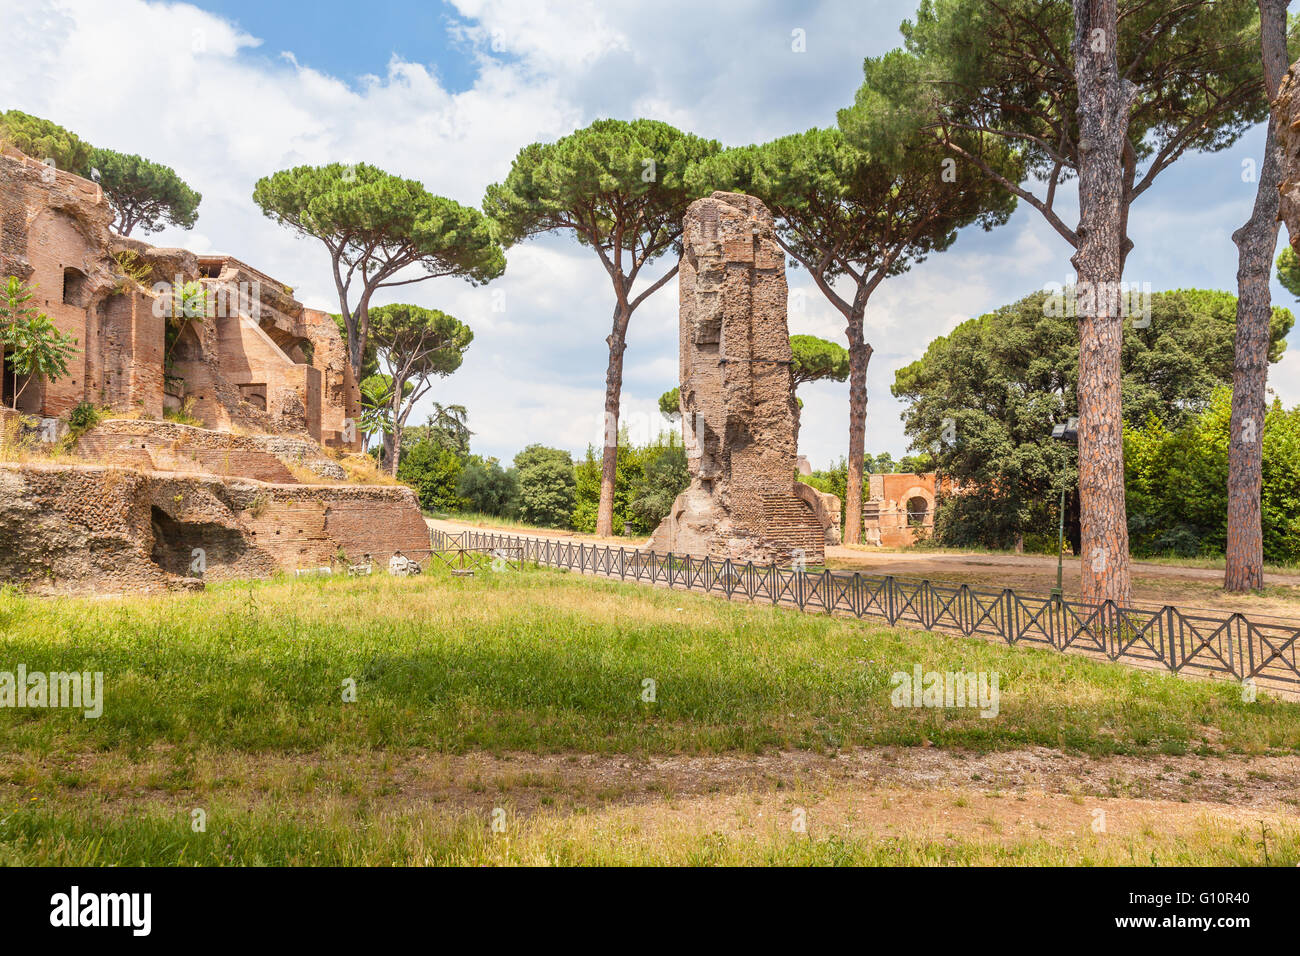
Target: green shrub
546 486
486 487
816 480
663 477
1177 483
434 473
638 495
84 417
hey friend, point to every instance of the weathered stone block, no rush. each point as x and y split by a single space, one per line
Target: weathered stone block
738 411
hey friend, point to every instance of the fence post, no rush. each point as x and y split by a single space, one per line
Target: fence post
1234 629
1172 614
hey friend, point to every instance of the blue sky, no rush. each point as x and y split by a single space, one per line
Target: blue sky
227 91
349 39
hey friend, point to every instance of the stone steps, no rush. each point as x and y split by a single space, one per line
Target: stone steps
790 521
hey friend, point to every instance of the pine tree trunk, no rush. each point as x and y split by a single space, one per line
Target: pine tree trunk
613 392
859 359
395 453
1104 102
395 446
360 336
1256 242
393 439
355 348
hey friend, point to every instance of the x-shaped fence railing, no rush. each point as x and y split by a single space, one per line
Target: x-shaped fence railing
1202 643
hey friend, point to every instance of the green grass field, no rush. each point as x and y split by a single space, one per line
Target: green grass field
233 701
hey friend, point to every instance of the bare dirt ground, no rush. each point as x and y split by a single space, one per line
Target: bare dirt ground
1006 797
1157 584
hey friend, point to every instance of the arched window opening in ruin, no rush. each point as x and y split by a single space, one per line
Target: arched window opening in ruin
74 287
188 346
255 395
304 352
917 511
7 383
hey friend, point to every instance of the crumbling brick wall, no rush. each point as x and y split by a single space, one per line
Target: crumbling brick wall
260 361
54 235
170 446
738 411
81 528
900 508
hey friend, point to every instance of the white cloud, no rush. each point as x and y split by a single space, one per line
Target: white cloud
551 38
1284 377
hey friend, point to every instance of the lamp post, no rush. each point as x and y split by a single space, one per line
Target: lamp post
1067 432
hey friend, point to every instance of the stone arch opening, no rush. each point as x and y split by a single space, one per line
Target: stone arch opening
188 347
8 382
178 544
254 394
918 510
76 287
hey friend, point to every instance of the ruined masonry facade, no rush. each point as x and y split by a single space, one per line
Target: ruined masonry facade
900 508
252 492
264 363
738 410
77 528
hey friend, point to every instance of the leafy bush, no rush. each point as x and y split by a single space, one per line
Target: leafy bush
434 472
486 487
84 417
540 454
663 477
816 480
1177 483
989 521
546 486
631 485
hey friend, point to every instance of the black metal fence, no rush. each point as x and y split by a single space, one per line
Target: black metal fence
1201 643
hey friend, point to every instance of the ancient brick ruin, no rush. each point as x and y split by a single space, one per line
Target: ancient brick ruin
67 528
738 411
251 357
899 509
254 490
